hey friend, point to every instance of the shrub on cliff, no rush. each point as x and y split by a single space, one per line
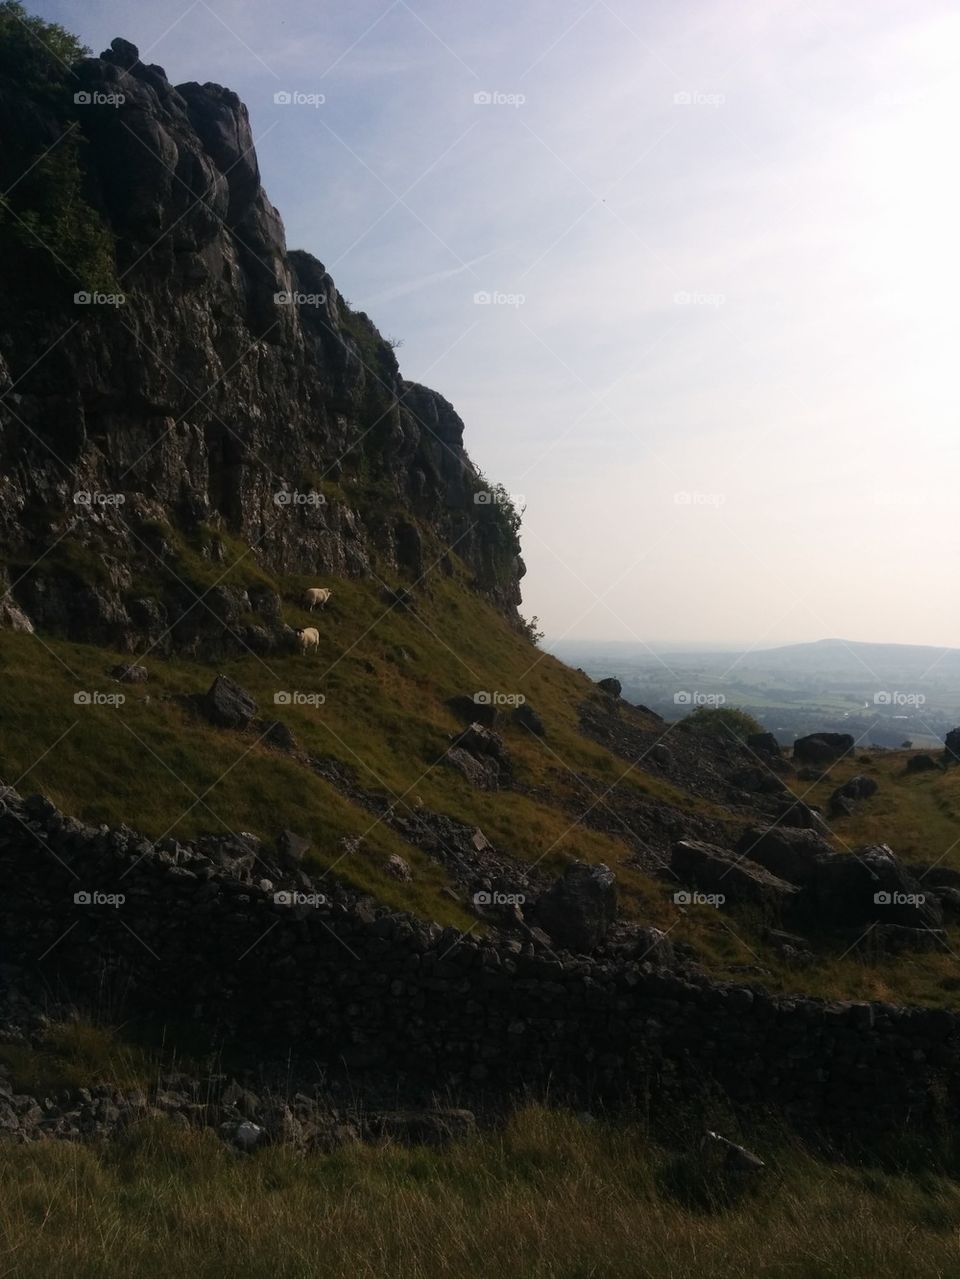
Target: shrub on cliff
43 213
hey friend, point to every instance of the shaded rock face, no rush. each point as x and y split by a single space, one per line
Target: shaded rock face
472 712
527 718
822 748
790 853
480 755
796 813
610 685
871 884
578 909
733 878
228 705
847 890
922 764
844 799
207 402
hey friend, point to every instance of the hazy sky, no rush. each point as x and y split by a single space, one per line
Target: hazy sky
721 362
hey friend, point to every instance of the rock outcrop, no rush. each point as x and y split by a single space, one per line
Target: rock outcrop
822 748
211 392
579 907
729 877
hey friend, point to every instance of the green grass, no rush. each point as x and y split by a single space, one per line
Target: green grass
546 1197
77 1054
386 675
917 814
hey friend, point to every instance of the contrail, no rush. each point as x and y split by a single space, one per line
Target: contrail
411 286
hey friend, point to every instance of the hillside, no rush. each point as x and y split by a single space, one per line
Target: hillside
317 884
181 464
358 934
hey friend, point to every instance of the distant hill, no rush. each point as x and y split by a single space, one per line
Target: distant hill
883 693
856 654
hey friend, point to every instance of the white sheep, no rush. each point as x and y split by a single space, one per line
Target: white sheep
316 595
308 639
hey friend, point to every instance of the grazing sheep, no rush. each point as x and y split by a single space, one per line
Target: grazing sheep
317 595
308 639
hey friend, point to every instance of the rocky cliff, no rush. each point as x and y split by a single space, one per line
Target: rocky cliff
187 408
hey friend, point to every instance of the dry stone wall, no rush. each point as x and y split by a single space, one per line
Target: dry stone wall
107 916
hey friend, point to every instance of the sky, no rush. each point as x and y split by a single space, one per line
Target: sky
690 273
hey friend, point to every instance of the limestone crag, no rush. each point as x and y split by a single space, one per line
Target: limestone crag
217 394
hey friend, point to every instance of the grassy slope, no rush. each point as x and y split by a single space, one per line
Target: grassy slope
548 1197
385 675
